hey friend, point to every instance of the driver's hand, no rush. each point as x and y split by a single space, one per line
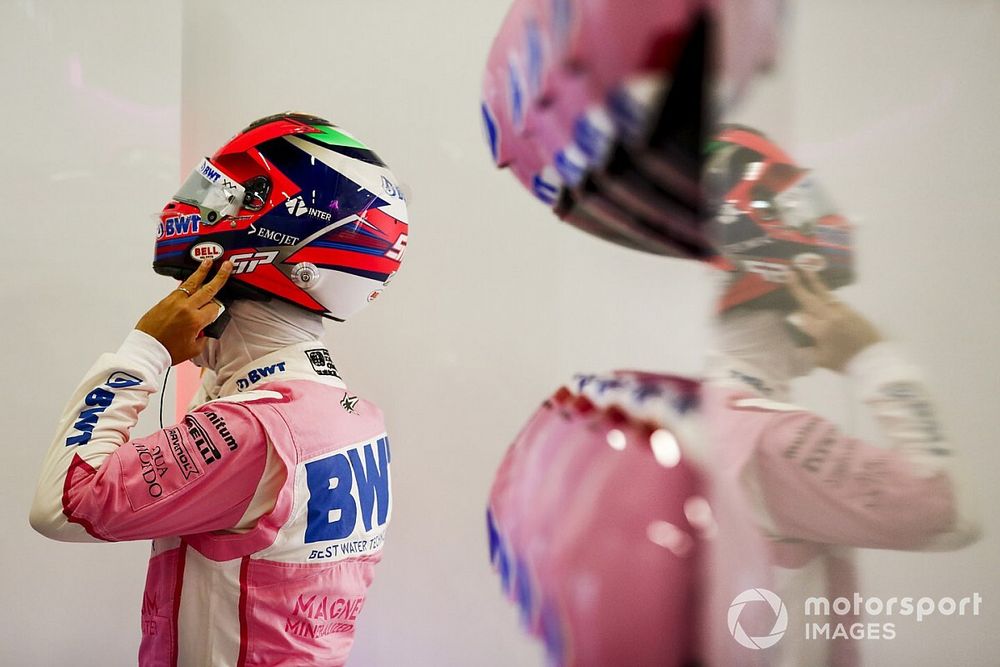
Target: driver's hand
839 331
178 320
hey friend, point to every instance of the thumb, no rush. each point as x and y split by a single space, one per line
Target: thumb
806 323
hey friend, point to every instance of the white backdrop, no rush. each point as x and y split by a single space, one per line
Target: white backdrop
91 124
497 302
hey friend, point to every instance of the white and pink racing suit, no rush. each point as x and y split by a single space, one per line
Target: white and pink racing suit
813 493
267 506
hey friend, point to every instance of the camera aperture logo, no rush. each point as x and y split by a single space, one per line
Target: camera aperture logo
857 617
780 618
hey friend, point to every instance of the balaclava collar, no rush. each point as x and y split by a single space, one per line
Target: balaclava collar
256 328
755 348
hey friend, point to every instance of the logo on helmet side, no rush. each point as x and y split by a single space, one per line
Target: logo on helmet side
392 189
248 262
809 261
209 172
181 225
206 250
297 206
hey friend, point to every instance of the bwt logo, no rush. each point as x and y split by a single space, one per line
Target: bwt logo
95 403
258 374
346 484
182 225
248 262
208 172
780 618
392 189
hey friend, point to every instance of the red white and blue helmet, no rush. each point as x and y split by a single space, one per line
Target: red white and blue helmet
306 213
770 216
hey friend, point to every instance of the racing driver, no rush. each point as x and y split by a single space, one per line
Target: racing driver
268 502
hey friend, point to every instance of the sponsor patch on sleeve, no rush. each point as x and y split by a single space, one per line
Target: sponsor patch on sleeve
182 454
154 468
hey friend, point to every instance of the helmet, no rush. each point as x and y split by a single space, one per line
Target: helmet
305 212
611 137
770 215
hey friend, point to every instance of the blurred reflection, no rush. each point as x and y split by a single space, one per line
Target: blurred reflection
812 491
600 512
643 519
597 521
599 108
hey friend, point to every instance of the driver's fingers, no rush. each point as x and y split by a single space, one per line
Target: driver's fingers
806 323
818 287
195 280
208 291
810 301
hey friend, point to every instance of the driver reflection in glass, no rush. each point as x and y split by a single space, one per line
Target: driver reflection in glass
813 492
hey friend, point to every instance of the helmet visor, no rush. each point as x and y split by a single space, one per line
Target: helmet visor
803 205
216 194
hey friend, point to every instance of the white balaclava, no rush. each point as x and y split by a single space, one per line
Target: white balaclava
256 328
758 343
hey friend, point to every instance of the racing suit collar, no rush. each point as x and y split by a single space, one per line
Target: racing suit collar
309 360
256 330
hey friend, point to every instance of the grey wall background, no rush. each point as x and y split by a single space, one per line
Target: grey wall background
893 104
90 120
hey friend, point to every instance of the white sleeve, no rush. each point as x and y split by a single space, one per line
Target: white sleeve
895 391
95 423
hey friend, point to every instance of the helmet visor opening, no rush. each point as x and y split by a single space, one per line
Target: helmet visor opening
803 205
215 193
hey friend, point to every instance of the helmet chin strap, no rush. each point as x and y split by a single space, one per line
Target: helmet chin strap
215 329
254 329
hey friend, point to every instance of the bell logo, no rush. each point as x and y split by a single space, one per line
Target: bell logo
296 206
780 618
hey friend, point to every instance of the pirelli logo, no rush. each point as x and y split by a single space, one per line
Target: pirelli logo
209 452
181 454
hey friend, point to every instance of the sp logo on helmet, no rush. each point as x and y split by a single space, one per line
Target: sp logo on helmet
248 262
780 618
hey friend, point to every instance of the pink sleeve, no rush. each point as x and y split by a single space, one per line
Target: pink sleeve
821 485
197 476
